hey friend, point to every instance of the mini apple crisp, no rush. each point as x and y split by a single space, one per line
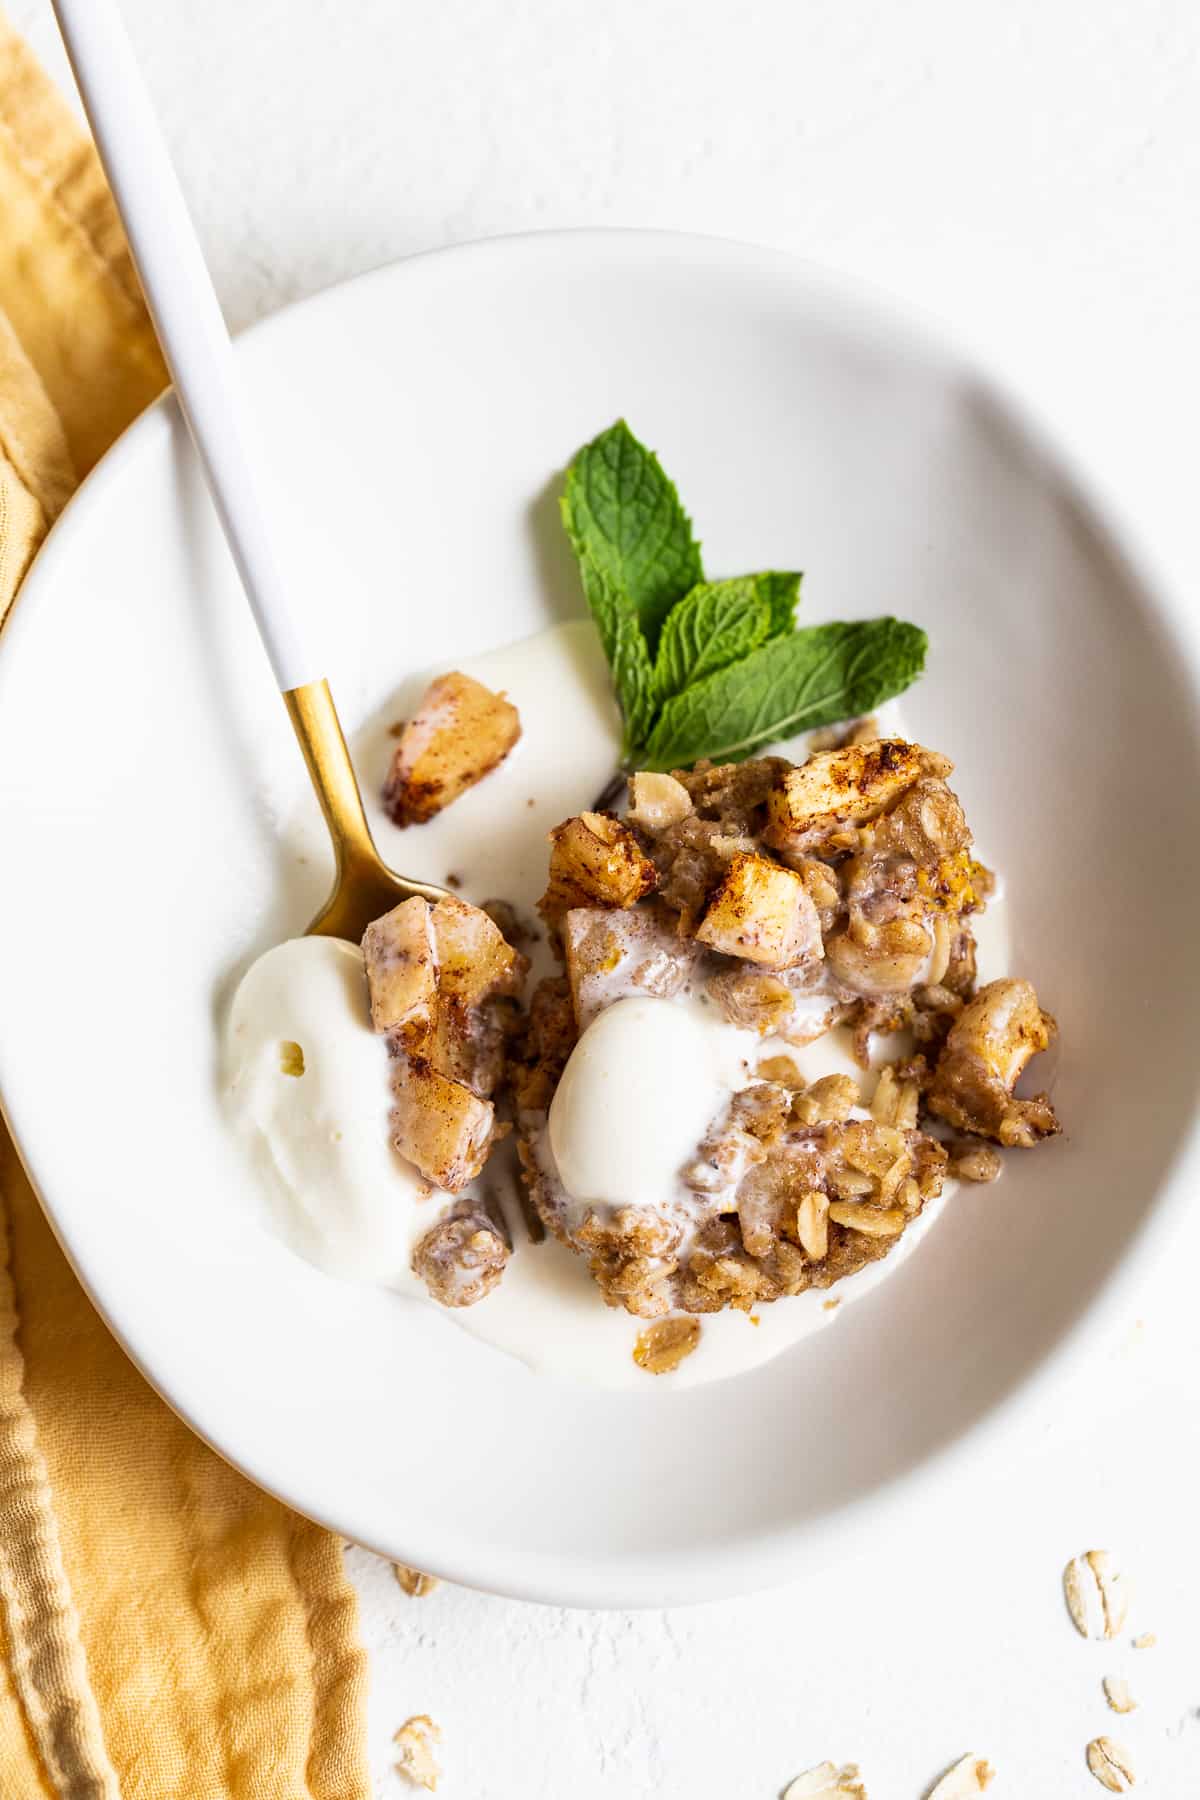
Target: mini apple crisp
765 903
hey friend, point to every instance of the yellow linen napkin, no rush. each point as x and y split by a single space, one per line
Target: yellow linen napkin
167 1631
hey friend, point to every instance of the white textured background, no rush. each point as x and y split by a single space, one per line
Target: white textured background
1030 172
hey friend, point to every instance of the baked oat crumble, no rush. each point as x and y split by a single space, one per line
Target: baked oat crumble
793 899
463 1256
797 898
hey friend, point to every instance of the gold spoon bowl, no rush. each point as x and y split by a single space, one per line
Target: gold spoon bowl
363 885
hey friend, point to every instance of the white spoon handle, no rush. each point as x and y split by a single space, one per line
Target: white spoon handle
185 310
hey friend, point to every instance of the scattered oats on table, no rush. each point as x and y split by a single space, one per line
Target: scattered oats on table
415 1584
1146 1641
1116 1692
415 1740
969 1776
1111 1764
827 1782
1097 1594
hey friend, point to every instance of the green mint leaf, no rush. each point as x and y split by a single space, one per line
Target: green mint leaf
718 623
814 677
625 649
634 678
782 594
624 515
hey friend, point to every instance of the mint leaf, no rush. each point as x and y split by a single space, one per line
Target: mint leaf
712 669
634 679
790 684
718 623
782 594
624 516
625 649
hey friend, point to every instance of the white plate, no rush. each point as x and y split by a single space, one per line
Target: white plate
417 420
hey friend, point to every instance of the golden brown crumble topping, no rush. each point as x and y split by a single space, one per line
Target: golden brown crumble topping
797 898
987 1049
788 1192
463 1256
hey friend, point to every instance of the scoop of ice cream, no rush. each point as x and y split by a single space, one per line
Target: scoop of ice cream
641 1087
308 1087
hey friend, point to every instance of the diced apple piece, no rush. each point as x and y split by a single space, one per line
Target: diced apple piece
762 913
613 954
595 860
439 1125
401 963
478 973
657 801
474 960
441 980
843 787
458 734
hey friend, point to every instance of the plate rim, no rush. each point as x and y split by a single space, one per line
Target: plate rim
762 1560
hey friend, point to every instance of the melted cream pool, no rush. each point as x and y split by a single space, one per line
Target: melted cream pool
340 1196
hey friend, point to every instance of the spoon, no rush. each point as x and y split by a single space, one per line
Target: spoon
195 343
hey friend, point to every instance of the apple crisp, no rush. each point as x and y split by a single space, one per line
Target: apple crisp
795 899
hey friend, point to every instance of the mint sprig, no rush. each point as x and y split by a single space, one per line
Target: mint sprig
718 623
624 516
715 669
796 683
782 594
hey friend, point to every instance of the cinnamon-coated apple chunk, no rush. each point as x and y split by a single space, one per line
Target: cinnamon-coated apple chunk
439 1125
442 982
595 860
763 913
460 732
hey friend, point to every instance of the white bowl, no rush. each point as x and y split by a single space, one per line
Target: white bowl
417 420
